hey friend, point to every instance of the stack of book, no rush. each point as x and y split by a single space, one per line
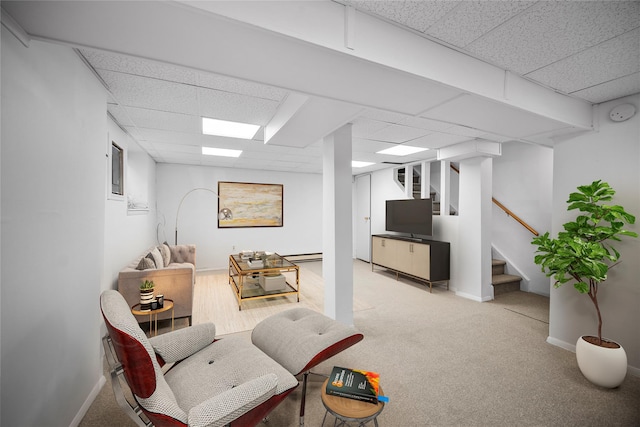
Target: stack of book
354 384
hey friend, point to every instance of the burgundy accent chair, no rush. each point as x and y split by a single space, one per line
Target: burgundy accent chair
187 377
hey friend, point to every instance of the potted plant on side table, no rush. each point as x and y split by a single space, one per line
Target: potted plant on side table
146 294
583 253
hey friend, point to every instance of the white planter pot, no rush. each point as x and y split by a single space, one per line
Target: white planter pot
603 366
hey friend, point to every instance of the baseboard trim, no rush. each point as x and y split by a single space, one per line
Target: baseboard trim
472 297
304 257
88 402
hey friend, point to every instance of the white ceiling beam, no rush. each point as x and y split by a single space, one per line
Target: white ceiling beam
289 107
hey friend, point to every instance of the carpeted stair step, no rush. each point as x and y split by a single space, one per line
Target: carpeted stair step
503 283
497 266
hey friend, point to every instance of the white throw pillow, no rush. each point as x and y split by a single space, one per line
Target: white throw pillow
157 258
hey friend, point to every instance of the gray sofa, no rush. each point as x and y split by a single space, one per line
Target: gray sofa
172 268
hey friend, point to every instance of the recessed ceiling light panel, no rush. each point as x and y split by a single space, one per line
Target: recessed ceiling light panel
224 152
359 164
229 129
402 150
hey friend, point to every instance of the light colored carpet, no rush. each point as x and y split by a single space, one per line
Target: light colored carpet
449 361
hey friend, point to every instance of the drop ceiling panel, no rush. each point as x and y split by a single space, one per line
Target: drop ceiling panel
120 115
399 134
471 19
162 120
611 90
492 117
136 91
368 146
438 140
141 67
232 85
614 58
417 15
550 31
427 124
236 107
364 127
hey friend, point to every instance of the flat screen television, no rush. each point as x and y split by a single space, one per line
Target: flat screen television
413 216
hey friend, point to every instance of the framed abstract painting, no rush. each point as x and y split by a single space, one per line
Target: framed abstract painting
252 205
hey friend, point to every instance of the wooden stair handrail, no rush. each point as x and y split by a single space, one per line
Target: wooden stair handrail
507 211
514 216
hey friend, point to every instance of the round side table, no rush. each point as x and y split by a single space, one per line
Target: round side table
350 410
168 305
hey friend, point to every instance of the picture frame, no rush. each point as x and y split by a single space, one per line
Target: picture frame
252 204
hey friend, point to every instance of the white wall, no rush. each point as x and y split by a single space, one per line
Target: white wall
301 233
128 234
53 206
523 182
613 155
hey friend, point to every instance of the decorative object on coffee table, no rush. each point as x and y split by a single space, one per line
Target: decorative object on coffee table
146 295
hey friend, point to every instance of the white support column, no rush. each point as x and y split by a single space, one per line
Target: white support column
425 180
408 181
445 187
474 238
337 243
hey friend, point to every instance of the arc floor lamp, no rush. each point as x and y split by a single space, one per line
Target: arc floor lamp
223 214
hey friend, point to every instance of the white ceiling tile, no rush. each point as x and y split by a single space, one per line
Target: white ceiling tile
617 57
417 15
552 30
424 123
611 90
364 127
398 134
368 146
465 131
492 117
168 148
136 91
383 116
162 120
438 140
471 19
229 84
119 114
236 107
140 67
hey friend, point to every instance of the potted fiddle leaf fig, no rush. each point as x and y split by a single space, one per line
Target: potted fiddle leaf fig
583 254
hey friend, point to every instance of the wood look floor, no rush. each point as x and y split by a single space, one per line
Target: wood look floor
214 301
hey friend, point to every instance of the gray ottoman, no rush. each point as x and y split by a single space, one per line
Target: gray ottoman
300 338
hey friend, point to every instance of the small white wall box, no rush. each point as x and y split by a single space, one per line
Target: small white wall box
273 282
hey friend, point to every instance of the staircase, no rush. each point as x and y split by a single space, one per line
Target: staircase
503 283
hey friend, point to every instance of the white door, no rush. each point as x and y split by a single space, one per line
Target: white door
363 220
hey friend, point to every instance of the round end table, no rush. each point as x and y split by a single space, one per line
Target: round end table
350 410
168 305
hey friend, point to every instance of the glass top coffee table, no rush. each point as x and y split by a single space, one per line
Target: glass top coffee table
263 277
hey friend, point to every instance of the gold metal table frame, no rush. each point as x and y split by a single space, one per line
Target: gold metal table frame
244 278
168 305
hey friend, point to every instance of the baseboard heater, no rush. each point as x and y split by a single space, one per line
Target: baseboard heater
304 257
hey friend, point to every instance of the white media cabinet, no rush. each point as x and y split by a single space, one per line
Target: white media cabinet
420 259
